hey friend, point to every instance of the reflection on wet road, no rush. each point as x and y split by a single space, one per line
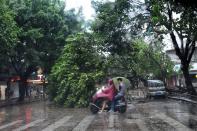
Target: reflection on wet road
156 115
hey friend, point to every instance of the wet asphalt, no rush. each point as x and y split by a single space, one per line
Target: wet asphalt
151 115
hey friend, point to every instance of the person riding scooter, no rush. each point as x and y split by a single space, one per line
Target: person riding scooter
110 87
103 97
121 94
106 91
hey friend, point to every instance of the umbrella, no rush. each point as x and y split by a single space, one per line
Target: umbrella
125 81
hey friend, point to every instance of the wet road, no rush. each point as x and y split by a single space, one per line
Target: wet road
156 115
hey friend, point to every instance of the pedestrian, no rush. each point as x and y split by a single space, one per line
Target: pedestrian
121 93
8 90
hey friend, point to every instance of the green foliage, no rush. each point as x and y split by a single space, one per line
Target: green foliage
116 24
8 31
118 30
73 77
185 3
180 22
144 61
160 63
44 28
175 17
33 33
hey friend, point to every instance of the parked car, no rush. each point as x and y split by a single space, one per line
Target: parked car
155 88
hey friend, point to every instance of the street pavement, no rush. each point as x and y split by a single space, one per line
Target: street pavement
153 115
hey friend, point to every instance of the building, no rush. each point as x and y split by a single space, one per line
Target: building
9 86
172 54
177 79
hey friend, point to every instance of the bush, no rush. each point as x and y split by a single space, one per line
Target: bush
72 79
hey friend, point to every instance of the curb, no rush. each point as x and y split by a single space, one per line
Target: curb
183 99
14 102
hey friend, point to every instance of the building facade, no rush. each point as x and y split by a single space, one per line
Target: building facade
177 79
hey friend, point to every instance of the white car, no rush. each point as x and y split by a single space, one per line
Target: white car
156 88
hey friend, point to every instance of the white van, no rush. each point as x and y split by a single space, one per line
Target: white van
155 88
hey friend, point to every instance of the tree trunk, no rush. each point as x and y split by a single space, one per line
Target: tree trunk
22 88
185 61
23 82
188 81
163 74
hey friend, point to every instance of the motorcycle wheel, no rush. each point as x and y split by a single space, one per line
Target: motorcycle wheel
93 109
122 109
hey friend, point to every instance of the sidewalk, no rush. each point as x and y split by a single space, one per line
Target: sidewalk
184 97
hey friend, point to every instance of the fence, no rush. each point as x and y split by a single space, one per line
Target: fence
35 90
136 94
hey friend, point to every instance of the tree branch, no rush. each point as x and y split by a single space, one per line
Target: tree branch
170 16
181 39
187 48
192 48
13 61
175 44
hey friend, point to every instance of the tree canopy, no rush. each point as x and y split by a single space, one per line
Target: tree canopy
117 23
74 75
44 26
42 33
8 31
181 24
118 30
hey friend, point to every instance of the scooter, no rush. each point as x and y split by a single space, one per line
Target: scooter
106 94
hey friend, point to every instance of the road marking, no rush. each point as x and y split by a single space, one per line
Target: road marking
57 124
177 125
10 124
84 124
113 129
111 121
136 120
141 124
28 125
111 125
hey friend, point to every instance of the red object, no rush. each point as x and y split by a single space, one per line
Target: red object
15 78
28 115
107 93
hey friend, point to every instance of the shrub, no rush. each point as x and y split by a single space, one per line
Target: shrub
72 79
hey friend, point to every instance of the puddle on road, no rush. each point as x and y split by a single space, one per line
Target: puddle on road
130 127
154 124
133 116
192 124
